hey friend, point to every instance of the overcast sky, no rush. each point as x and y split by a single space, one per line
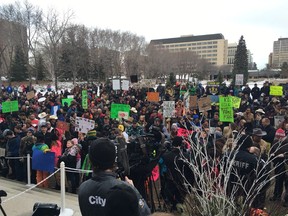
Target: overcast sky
260 21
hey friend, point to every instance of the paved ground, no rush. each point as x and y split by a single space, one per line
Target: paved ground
23 204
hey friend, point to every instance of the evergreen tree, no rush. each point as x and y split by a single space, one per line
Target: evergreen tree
241 61
40 69
171 80
220 78
19 71
284 69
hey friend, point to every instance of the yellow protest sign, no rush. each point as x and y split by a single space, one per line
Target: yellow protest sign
276 90
236 101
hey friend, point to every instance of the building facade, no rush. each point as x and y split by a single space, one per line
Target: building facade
280 52
232 47
212 47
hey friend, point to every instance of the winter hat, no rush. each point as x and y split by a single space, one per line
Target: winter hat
280 133
91 134
75 141
122 200
102 153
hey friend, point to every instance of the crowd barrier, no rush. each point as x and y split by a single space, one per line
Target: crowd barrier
62 169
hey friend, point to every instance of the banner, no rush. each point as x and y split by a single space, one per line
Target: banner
276 90
226 113
125 85
84 99
67 100
10 106
30 95
214 98
204 104
116 108
184 132
54 110
153 96
63 125
236 101
43 161
212 88
278 120
168 109
124 115
116 84
239 79
84 125
193 102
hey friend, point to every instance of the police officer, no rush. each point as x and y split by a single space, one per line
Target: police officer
92 193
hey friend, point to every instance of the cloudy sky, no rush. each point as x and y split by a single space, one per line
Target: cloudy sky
260 21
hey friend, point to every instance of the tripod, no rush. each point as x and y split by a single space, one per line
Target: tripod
2 194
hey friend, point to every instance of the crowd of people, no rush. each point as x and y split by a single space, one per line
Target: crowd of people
34 127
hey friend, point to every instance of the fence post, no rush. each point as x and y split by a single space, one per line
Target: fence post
28 170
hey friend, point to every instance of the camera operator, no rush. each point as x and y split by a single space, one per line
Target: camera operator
159 127
92 194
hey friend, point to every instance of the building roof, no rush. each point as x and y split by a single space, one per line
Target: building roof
189 39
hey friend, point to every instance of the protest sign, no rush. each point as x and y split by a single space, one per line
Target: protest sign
54 110
184 132
214 98
276 90
124 115
278 120
153 96
193 102
63 125
168 109
226 113
116 108
10 106
43 161
212 88
84 125
67 100
125 85
116 84
70 96
186 100
239 79
30 95
236 101
204 104
84 99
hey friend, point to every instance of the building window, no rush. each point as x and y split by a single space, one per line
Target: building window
199 43
215 42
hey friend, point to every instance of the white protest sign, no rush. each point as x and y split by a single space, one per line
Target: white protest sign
84 125
70 96
239 79
125 85
186 99
278 120
116 84
168 108
124 115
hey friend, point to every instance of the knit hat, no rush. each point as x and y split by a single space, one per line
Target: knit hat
122 200
91 134
102 153
280 133
245 142
75 141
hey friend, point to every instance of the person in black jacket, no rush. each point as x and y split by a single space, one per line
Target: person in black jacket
255 92
269 129
93 193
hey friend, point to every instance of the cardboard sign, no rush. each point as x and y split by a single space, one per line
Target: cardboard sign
226 113
124 115
193 102
153 96
239 79
116 108
67 100
125 85
84 99
43 161
168 109
204 104
10 106
184 132
63 125
84 125
277 121
236 101
30 95
116 84
276 90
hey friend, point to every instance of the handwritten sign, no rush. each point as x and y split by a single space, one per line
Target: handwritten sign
236 101
168 108
10 106
193 102
125 85
116 108
276 90
124 115
153 96
84 125
204 104
84 99
30 95
116 84
239 79
67 100
226 113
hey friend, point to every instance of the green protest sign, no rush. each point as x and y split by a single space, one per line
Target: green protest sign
67 100
84 99
226 113
115 108
276 90
236 101
10 106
